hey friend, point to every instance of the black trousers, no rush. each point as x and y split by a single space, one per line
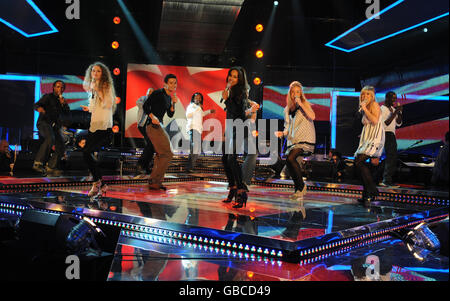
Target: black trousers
149 150
370 189
294 168
231 165
94 141
52 136
390 163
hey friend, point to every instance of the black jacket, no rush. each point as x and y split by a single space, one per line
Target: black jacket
158 103
53 109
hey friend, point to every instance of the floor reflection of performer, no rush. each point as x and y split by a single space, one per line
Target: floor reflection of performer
300 132
371 142
99 84
235 97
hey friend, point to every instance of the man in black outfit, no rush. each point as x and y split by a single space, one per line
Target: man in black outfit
159 103
50 107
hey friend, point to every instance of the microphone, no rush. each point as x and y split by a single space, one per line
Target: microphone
227 89
360 107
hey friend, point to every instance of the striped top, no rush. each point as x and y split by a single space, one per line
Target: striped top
299 129
371 142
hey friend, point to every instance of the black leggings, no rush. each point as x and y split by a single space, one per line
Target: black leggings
94 142
370 189
294 168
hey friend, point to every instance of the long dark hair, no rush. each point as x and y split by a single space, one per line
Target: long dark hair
240 90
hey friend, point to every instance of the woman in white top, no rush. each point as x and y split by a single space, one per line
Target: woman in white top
194 116
99 84
371 142
300 133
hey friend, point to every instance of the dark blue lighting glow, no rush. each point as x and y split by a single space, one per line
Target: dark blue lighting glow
41 15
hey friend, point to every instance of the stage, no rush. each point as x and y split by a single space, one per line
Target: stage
188 233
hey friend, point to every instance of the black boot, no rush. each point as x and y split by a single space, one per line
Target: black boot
241 200
231 195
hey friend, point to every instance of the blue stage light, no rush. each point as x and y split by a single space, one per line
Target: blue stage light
43 17
330 44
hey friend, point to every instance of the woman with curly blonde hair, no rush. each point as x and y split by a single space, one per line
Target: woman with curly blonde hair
99 84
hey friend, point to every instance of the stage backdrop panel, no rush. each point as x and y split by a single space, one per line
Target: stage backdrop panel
208 81
425 122
18 97
274 101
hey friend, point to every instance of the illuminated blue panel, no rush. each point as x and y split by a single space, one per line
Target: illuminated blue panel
37 92
25 17
399 17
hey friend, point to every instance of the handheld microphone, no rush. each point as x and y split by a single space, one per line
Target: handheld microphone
360 107
227 89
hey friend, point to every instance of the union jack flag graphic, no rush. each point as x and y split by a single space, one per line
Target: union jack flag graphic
208 81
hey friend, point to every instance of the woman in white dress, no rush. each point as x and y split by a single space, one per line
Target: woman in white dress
371 142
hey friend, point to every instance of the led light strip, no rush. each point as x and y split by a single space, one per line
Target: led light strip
351 240
343 250
198 246
191 237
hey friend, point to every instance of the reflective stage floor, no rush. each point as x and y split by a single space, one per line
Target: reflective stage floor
188 233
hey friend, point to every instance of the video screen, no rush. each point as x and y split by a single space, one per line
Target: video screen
208 81
274 101
74 92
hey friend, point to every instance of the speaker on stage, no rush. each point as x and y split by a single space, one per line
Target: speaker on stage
44 243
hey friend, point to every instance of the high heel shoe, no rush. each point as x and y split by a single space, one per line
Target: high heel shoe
241 200
95 188
231 195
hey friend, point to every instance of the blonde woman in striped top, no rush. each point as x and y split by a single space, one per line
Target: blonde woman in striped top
300 133
371 142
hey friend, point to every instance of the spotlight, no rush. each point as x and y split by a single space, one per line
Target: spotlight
259 54
259 27
257 81
420 240
425 29
116 20
115 45
116 71
275 3
82 236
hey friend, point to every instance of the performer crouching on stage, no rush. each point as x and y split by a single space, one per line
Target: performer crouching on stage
236 103
99 84
371 142
301 134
